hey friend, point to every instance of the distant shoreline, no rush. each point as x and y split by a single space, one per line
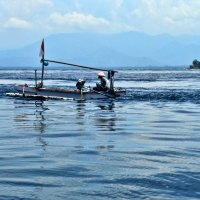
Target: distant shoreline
117 68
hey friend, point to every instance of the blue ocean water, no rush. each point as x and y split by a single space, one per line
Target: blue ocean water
145 145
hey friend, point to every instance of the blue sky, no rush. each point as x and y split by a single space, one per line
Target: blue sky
26 21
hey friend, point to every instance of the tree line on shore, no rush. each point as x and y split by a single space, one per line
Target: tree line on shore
195 64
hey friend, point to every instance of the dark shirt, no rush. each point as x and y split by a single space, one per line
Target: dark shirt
105 83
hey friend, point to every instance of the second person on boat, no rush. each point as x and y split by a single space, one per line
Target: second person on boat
104 84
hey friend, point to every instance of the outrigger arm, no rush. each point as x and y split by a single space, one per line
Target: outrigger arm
75 65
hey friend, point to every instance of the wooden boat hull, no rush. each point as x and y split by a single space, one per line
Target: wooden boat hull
68 94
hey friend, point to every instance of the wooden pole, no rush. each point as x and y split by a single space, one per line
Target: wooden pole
42 78
75 65
35 78
42 52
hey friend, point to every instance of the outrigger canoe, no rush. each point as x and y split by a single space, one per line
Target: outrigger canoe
59 93
40 92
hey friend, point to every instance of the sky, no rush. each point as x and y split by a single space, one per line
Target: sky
25 21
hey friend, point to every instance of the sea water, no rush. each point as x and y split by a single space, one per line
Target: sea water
145 145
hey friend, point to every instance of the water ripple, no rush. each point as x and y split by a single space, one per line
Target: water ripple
142 146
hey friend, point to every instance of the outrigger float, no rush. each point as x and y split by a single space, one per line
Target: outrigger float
38 91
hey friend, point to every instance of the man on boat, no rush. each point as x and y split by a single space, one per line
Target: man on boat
104 84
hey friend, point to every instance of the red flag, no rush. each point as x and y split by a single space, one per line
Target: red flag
42 49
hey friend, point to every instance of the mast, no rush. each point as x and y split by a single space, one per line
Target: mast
42 78
111 77
42 55
35 78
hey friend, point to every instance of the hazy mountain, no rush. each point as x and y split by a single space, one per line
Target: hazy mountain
123 49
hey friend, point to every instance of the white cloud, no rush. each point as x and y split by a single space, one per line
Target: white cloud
77 20
44 2
151 7
17 23
118 3
115 8
136 13
167 16
103 16
23 7
184 10
32 5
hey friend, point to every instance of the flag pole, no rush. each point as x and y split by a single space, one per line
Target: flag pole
42 55
42 78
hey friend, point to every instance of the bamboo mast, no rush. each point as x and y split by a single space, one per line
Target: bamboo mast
42 55
42 78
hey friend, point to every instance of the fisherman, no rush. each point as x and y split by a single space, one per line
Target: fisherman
80 84
104 84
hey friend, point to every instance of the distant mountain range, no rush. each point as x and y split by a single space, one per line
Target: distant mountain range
128 49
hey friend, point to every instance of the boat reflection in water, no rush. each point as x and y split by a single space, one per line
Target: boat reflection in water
105 119
30 114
